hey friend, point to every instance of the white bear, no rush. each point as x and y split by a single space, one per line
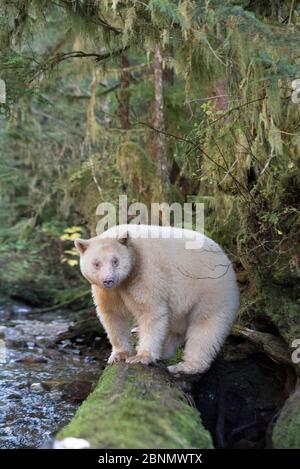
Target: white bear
176 294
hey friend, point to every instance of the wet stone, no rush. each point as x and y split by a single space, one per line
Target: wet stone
31 359
37 387
21 309
14 395
30 345
77 391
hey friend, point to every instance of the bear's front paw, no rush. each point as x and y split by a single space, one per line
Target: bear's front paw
187 368
117 357
144 358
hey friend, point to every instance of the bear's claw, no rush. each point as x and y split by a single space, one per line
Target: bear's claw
145 359
117 357
187 368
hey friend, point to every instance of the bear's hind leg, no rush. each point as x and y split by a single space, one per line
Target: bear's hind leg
204 339
172 343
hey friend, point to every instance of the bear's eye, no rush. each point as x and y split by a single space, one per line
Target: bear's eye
115 261
97 264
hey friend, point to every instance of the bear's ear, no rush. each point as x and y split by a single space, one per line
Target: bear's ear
81 244
123 238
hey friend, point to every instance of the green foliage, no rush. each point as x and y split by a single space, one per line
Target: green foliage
33 272
137 170
232 130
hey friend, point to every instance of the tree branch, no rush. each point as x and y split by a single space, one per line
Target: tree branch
61 57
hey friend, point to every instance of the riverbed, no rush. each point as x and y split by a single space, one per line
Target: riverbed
41 382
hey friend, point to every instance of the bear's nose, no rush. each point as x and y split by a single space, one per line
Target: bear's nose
108 283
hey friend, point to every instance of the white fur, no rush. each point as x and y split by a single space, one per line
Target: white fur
176 295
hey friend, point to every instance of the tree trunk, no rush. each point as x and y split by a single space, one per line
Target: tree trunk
137 407
124 94
159 124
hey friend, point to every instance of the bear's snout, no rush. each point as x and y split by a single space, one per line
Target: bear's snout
108 283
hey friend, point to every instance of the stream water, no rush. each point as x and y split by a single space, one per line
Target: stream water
41 383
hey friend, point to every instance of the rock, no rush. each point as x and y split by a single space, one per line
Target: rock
16 343
89 359
30 359
50 385
65 343
53 354
3 329
37 387
87 328
76 391
30 345
14 395
21 309
286 432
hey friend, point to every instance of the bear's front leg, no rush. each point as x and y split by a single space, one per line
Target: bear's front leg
152 330
116 321
118 331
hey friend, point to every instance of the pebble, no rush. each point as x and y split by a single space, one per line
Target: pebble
37 387
31 359
30 345
89 359
40 337
21 309
65 343
14 395
76 391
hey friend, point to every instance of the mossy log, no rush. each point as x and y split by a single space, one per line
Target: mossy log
286 432
137 407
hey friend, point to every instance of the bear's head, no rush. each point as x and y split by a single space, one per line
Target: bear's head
105 262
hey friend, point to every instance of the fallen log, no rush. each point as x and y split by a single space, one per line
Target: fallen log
272 346
137 407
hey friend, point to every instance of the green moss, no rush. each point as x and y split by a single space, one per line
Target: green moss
95 181
137 407
286 433
175 359
137 170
